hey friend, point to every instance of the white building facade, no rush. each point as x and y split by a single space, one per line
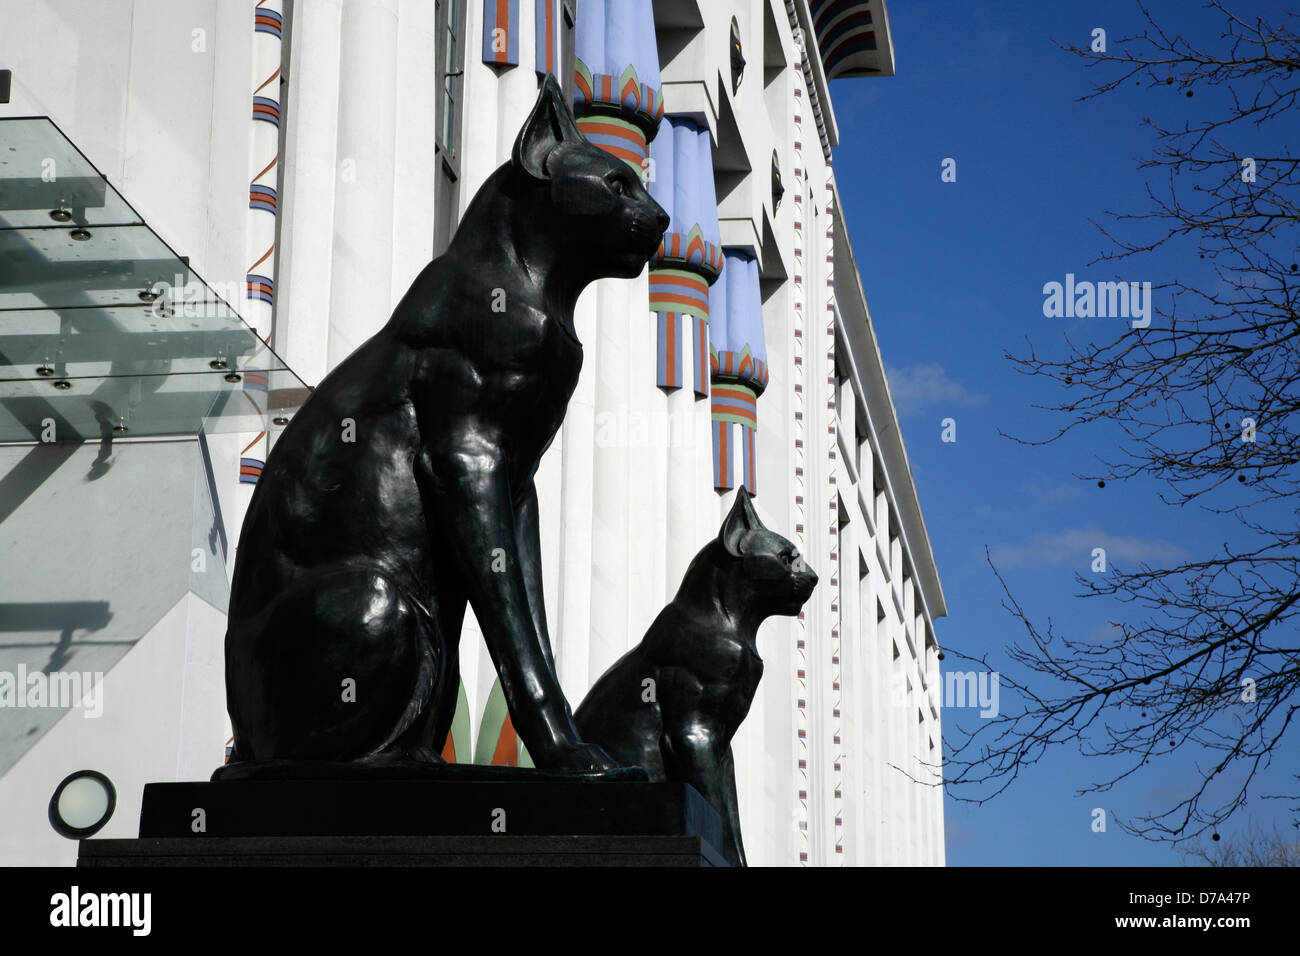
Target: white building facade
314 155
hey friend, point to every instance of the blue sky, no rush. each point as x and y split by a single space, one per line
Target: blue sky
954 274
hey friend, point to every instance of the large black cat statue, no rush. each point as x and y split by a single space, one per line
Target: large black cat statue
673 702
403 488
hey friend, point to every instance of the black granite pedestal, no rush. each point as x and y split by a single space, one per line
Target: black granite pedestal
417 822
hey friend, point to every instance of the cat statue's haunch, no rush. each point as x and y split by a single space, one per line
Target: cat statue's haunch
403 488
673 702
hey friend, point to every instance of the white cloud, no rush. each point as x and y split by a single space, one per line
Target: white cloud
926 385
1074 547
1060 491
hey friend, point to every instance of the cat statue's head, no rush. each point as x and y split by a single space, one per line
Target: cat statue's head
774 577
595 202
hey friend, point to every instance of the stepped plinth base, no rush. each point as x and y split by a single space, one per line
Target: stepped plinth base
505 820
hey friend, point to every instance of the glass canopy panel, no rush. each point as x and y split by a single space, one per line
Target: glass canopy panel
43 173
49 268
89 577
45 344
146 404
104 329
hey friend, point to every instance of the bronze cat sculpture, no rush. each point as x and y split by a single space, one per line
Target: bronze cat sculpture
673 702
403 488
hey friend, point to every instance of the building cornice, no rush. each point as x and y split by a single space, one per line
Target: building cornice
819 97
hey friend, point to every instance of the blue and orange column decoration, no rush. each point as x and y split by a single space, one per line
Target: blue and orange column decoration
501 32
616 95
738 363
690 258
263 212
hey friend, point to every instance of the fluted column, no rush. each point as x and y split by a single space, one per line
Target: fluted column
307 203
618 105
688 262
361 292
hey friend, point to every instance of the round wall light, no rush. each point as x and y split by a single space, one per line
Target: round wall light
82 804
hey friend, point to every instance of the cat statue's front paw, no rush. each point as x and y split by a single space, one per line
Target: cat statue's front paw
580 757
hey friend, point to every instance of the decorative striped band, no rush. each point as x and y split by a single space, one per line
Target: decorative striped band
266 109
734 402
674 327
678 290
268 21
724 452
749 456
261 287
261 197
701 357
250 469
668 365
618 137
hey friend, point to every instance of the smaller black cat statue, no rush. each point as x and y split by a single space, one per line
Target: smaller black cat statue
673 702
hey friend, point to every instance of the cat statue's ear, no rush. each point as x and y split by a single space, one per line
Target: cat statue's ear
740 521
550 124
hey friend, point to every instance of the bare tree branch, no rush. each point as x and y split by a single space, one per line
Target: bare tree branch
1207 399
